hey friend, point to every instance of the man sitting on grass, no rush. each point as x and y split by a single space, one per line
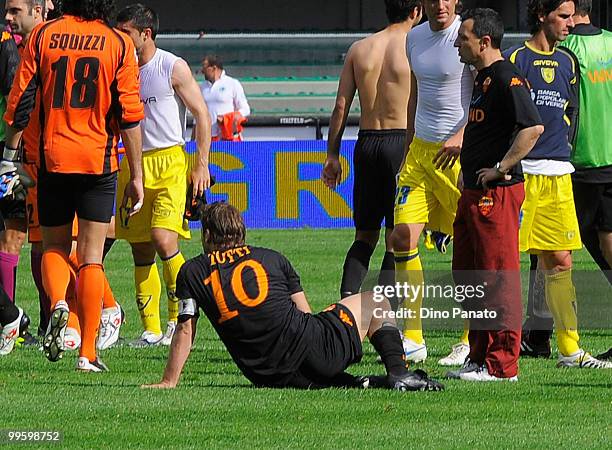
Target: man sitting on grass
253 298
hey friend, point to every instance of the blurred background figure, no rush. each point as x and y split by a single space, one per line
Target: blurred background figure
225 99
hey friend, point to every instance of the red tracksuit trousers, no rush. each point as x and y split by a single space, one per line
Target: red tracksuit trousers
486 253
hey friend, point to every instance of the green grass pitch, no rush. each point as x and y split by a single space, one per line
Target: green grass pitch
215 407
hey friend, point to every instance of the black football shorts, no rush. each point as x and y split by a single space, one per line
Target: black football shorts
376 160
593 205
61 195
335 345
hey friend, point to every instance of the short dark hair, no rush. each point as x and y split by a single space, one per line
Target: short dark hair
32 3
399 10
90 9
57 10
141 17
487 22
537 8
584 7
222 227
213 60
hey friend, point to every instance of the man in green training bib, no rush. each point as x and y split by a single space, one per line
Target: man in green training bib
592 148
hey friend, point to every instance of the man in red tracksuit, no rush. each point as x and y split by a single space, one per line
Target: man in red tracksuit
503 126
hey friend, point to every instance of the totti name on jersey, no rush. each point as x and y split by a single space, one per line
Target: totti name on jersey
228 256
71 41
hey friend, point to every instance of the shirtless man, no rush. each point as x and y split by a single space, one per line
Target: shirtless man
378 69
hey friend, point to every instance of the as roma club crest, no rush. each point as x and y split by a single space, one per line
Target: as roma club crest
485 84
485 204
548 74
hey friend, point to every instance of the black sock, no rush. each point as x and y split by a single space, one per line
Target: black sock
388 344
8 310
355 268
108 243
387 276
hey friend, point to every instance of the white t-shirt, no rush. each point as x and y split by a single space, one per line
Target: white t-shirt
444 82
548 167
165 113
226 95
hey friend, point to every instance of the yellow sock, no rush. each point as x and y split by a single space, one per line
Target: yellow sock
466 332
561 300
148 291
408 269
172 266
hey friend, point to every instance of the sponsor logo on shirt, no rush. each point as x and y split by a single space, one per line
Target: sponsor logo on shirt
485 84
476 115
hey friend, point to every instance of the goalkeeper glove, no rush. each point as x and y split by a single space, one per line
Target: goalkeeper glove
8 184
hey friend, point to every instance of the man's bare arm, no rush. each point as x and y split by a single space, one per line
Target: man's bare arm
134 191
411 116
13 136
332 170
522 145
412 107
450 151
188 90
300 300
179 352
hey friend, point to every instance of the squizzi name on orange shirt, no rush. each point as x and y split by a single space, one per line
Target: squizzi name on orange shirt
71 41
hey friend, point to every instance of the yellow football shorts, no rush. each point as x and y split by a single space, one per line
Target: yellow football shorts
548 215
425 194
165 189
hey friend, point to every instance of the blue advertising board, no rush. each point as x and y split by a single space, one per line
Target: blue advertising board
278 184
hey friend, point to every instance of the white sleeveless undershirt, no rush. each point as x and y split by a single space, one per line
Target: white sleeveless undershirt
165 113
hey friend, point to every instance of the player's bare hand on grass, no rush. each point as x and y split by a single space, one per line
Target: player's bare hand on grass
332 172
447 156
134 196
162 385
485 176
200 177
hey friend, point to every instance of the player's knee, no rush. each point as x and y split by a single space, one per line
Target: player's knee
143 253
11 241
400 238
370 237
605 245
165 242
559 261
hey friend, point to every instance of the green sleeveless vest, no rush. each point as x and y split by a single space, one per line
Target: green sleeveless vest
593 145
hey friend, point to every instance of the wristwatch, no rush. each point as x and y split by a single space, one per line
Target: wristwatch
497 167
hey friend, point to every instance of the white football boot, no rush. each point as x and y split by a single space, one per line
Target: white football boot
147 339
583 360
110 324
10 333
414 352
457 356
85 365
72 339
167 339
